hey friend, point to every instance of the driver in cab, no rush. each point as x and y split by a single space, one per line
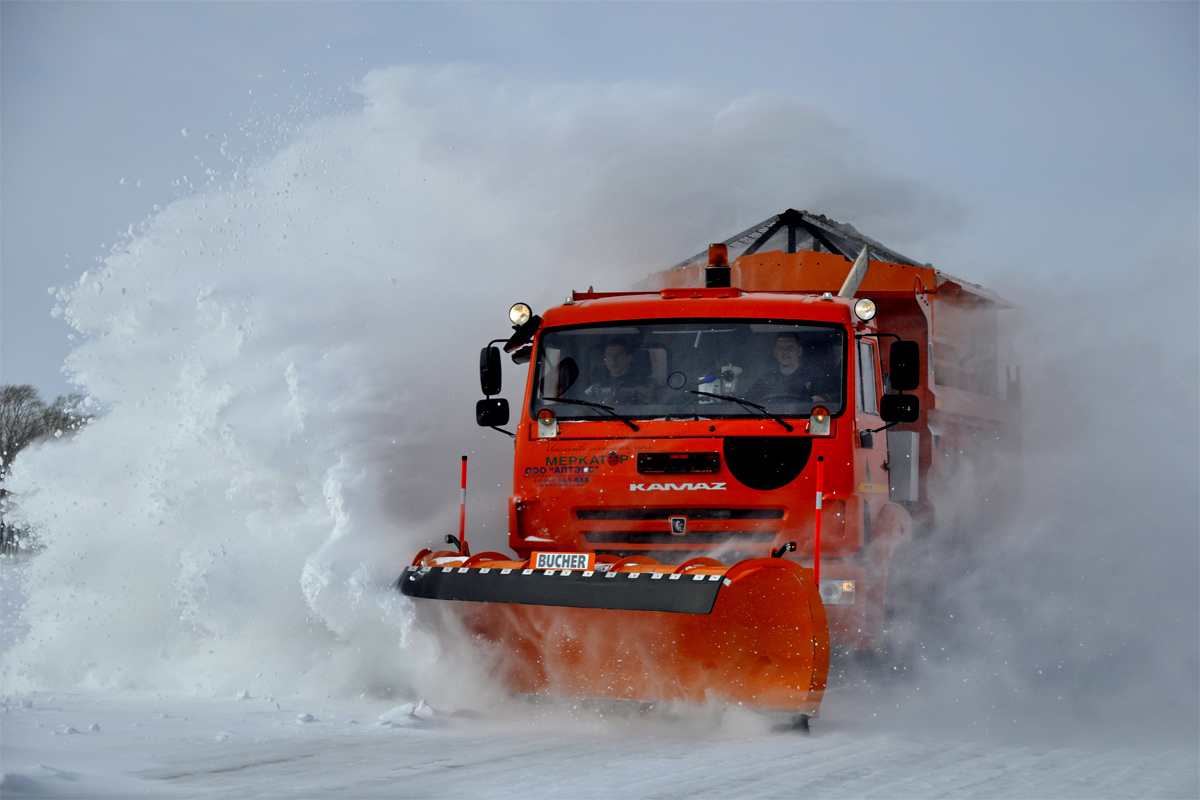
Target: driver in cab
786 381
619 383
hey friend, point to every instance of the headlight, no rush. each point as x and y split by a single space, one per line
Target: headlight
837 593
865 309
519 314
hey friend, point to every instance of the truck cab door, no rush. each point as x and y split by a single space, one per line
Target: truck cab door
870 450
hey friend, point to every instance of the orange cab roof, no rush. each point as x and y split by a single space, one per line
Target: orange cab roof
684 303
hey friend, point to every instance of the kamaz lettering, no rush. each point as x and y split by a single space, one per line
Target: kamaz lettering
675 487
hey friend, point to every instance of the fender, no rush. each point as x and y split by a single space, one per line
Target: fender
893 527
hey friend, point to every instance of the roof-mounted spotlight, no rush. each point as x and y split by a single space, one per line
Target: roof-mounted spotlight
864 309
525 324
519 314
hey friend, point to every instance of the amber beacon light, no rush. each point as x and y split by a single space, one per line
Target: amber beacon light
716 275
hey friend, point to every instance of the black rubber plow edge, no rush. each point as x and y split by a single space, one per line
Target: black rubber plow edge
622 591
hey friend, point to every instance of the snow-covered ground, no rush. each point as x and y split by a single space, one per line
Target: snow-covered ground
127 744
152 746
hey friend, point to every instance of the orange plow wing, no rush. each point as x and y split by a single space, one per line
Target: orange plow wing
763 640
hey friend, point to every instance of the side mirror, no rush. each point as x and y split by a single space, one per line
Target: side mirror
904 366
489 370
899 408
523 355
492 412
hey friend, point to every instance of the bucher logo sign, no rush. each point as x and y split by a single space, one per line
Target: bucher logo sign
676 487
571 561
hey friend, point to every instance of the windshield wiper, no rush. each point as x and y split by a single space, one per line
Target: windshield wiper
745 403
590 404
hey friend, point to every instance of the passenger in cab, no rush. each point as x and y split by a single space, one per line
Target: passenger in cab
620 382
787 381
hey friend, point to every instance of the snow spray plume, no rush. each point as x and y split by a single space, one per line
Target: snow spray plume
1072 614
288 364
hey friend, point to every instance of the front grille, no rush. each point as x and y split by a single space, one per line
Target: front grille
710 532
678 463
664 556
641 514
691 537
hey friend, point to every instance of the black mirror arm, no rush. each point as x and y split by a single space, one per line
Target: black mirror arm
523 334
885 427
513 435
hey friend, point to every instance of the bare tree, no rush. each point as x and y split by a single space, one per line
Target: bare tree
22 419
64 415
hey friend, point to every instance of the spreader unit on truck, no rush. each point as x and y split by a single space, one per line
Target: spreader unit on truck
712 471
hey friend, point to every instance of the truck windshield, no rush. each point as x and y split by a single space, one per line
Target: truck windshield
646 370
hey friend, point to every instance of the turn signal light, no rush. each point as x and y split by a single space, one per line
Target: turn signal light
819 423
547 424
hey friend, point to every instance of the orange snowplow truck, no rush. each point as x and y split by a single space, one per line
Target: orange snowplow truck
712 471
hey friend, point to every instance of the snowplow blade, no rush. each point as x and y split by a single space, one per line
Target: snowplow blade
623 591
754 633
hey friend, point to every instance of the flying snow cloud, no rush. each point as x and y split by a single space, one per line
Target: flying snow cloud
1073 614
286 360
287 364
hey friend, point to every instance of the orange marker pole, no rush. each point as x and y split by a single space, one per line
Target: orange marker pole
462 511
817 536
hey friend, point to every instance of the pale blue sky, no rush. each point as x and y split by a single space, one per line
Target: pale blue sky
1074 124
